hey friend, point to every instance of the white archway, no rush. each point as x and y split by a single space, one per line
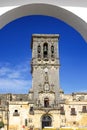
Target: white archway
49 10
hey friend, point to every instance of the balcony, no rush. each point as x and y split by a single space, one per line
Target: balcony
48 108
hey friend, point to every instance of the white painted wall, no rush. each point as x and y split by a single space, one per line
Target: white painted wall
73 13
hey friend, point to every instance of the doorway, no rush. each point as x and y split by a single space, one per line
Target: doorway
46 102
46 121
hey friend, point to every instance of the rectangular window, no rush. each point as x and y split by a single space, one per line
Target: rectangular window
0 101
31 111
73 112
10 97
62 112
84 109
25 122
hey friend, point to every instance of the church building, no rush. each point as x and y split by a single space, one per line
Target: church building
45 106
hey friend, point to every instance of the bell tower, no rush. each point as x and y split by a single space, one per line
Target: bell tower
45 65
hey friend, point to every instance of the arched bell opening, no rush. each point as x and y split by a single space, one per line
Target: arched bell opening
45 50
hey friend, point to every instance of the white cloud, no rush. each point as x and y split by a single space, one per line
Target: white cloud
14 79
14 86
14 75
16 71
4 70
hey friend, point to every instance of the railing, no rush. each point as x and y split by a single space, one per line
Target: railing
52 107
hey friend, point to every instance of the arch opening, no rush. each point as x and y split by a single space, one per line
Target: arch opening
48 10
45 50
46 121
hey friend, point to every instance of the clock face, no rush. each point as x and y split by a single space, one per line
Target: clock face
46 87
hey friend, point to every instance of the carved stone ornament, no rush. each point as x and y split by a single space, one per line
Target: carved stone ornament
46 77
46 87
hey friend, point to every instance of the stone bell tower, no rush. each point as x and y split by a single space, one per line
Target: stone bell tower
45 64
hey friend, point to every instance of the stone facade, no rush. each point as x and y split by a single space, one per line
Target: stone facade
45 105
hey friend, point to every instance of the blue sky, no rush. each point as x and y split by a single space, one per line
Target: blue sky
15 54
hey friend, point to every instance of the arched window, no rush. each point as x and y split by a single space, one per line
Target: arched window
39 51
39 48
52 51
16 113
45 50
